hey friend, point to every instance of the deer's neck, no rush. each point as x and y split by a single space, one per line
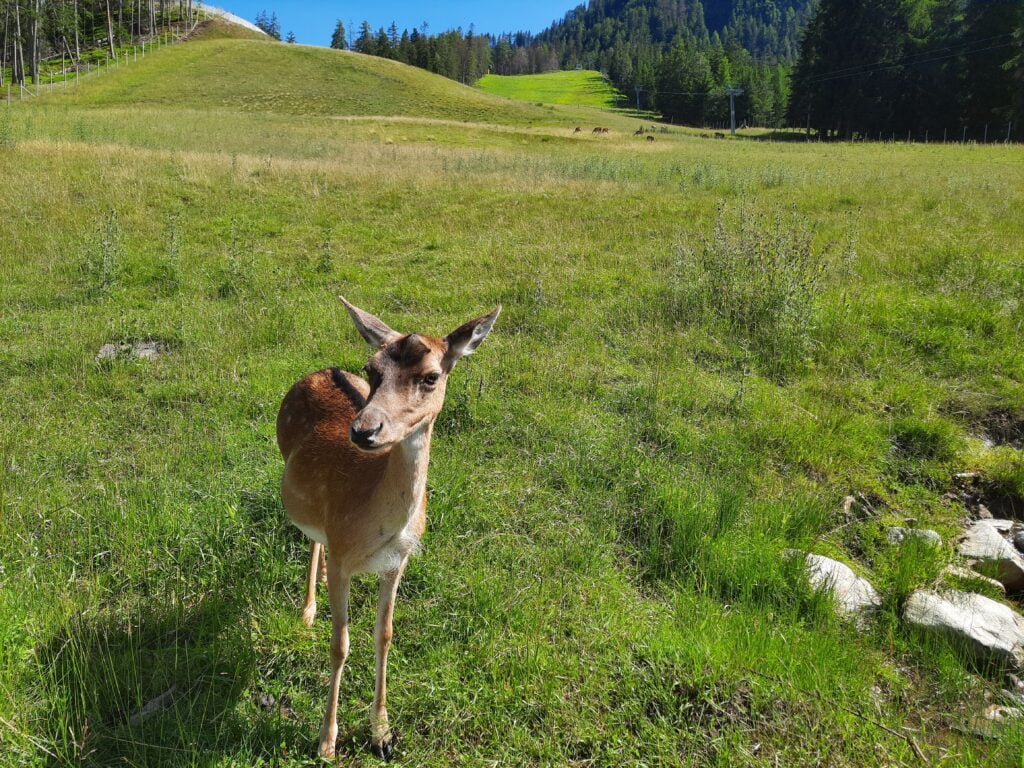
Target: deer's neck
408 464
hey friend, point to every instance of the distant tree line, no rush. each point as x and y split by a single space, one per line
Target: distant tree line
34 31
462 56
907 67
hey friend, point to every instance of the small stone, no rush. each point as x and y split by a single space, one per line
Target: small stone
147 350
143 350
854 594
107 352
897 535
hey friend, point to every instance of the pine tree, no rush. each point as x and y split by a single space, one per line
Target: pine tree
290 38
364 43
382 45
338 38
684 83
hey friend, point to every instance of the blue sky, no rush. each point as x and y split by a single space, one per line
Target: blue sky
313 20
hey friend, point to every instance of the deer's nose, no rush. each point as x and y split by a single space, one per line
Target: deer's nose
365 438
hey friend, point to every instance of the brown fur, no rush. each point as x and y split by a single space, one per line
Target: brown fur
327 481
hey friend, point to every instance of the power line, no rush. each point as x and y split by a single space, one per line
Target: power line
883 67
854 70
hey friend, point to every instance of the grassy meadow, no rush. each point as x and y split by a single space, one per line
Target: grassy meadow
705 346
578 87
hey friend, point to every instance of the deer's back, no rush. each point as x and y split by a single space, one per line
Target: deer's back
328 483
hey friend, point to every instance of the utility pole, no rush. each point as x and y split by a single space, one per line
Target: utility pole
733 93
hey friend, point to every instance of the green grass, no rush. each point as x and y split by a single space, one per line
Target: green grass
582 87
616 474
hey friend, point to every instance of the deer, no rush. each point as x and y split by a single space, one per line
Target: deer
356 454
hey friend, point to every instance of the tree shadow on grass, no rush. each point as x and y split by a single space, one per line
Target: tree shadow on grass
163 682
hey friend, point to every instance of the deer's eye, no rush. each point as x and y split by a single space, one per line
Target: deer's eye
430 379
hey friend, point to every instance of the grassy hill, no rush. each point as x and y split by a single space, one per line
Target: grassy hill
705 346
231 67
577 87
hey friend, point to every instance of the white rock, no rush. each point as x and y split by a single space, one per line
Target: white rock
854 594
897 535
984 542
991 630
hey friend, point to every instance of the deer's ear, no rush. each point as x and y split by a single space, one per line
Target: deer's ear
373 329
467 337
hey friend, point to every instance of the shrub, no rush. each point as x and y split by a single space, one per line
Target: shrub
758 276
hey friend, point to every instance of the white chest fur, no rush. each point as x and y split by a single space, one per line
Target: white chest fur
399 501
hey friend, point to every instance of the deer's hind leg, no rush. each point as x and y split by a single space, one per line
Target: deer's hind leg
315 557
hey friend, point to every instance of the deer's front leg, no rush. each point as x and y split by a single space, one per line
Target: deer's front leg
381 738
337 588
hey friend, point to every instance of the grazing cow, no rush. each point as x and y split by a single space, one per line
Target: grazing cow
578 130
705 135
596 130
639 131
604 130
719 135
650 138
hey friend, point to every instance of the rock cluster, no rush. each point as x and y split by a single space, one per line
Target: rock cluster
992 549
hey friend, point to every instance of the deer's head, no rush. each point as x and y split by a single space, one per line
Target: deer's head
408 374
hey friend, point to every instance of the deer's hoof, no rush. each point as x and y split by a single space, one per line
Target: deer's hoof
309 615
326 748
384 748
